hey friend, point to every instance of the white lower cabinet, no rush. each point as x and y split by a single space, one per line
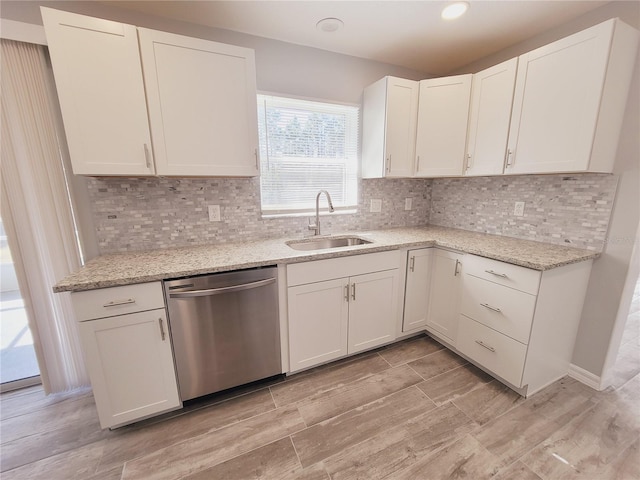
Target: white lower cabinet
444 305
333 317
418 283
128 355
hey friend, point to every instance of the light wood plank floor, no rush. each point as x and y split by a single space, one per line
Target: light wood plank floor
409 411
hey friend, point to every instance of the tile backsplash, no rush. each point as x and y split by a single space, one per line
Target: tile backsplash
148 213
571 210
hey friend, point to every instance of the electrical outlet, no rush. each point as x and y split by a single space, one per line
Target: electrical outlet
407 203
376 205
214 213
518 210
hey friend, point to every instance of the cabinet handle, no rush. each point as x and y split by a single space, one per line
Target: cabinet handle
418 165
412 266
161 328
503 275
147 156
456 271
468 161
389 164
482 344
346 293
486 305
115 303
255 152
353 292
509 157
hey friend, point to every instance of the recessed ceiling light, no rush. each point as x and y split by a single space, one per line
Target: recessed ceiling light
454 10
329 24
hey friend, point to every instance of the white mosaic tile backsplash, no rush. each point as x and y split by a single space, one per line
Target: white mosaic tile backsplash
571 210
148 213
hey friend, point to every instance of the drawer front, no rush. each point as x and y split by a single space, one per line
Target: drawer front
514 276
109 302
504 309
498 353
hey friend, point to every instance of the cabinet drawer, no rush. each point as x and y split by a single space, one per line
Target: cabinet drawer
504 309
514 276
109 302
493 350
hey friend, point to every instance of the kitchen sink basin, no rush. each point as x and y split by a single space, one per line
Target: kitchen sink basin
327 242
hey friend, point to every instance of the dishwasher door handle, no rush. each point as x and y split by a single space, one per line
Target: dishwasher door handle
217 291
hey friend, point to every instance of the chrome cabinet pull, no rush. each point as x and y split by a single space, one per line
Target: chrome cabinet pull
147 157
418 165
486 305
353 292
161 328
255 152
468 161
346 293
217 291
503 275
509 157
389 164
482 344
115 303
412 265
456 271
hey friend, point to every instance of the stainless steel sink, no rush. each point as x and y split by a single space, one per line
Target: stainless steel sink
327 242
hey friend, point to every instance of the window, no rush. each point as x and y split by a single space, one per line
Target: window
306 147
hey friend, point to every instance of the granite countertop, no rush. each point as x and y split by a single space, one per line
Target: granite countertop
147 266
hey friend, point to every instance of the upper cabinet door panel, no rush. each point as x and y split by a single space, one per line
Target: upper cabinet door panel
98 77
402 105
489 117
202 105
443 112
566 104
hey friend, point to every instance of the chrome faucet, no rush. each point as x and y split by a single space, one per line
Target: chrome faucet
316 227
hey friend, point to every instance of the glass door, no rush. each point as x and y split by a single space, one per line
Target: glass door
18 363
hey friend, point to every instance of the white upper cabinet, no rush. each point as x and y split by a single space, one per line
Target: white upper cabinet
99 81
489 116
443 113
569 101
122 87
389 128
202 105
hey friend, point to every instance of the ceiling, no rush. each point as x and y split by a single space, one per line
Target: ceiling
406 33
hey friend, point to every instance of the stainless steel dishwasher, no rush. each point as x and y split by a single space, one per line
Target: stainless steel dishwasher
225 329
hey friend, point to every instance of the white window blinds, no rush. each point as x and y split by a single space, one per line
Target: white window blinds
306 147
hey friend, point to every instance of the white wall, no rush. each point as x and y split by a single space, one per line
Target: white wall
605 296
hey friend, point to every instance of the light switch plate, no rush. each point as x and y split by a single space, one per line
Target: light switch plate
518 210
376 205
214 213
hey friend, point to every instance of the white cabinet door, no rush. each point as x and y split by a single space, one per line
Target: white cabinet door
389 111
489 117
99 82
373 310
569 101
443 112
130 362
416 300
202 105
318 319
444 305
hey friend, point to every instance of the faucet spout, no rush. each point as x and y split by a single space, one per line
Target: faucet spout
316 227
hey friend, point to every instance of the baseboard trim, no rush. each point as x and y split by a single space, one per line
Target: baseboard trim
586 377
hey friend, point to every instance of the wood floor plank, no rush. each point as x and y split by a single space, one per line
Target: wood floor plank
453 384
488 401
409 350
209 449
327 438
583 446
437 363
389 451
322 406
299 387
516 471
128 443
464 459
13 404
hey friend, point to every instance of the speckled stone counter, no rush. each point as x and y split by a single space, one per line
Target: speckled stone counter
147 266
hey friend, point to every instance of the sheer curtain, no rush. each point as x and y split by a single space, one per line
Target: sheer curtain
36 206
